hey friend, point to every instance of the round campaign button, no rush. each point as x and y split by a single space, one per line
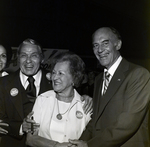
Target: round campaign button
79 114
14 91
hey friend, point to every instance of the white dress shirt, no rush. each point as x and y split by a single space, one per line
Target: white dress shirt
25 83
37 77
111 70
72 124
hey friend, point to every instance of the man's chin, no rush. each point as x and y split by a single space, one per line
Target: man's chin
29 73
104 63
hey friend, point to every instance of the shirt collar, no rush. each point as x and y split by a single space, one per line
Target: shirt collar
37 78
113 68
76 97
24 78
4 73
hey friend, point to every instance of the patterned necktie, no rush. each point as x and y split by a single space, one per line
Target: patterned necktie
31 89
106 82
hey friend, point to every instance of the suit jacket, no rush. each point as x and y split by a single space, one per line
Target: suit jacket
120 117
11 106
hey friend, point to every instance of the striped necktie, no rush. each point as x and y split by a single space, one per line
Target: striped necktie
106 81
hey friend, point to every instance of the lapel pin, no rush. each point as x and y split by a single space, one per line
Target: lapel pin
119 79
14 91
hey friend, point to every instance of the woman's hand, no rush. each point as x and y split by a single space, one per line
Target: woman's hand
88 106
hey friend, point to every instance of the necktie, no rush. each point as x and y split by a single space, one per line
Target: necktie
106 82
31 89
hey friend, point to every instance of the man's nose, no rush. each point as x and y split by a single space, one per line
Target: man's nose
1 58
28 59
100 48
56 76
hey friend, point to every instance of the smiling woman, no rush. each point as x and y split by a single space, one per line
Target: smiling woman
62 79
58 110
5 56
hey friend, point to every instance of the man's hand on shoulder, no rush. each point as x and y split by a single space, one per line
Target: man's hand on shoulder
88 106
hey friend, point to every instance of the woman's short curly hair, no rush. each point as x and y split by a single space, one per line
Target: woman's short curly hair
77 66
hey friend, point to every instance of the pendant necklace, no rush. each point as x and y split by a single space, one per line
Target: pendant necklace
59 115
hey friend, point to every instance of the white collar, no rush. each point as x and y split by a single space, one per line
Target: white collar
4 73
24 78
113 68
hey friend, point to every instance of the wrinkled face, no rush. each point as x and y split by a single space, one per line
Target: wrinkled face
61 78
3 57
105 47
29 59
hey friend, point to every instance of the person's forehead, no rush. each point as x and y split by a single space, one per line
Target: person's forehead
62 64
29 48
2 49
104 34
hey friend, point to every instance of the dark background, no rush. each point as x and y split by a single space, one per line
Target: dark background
69 24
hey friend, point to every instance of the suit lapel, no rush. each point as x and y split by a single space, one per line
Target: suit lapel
16 92
45 84
97 93
114 84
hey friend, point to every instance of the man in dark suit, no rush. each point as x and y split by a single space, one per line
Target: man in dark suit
14 102
121 101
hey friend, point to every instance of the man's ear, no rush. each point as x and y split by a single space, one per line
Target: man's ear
118 45
42 58
18 61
